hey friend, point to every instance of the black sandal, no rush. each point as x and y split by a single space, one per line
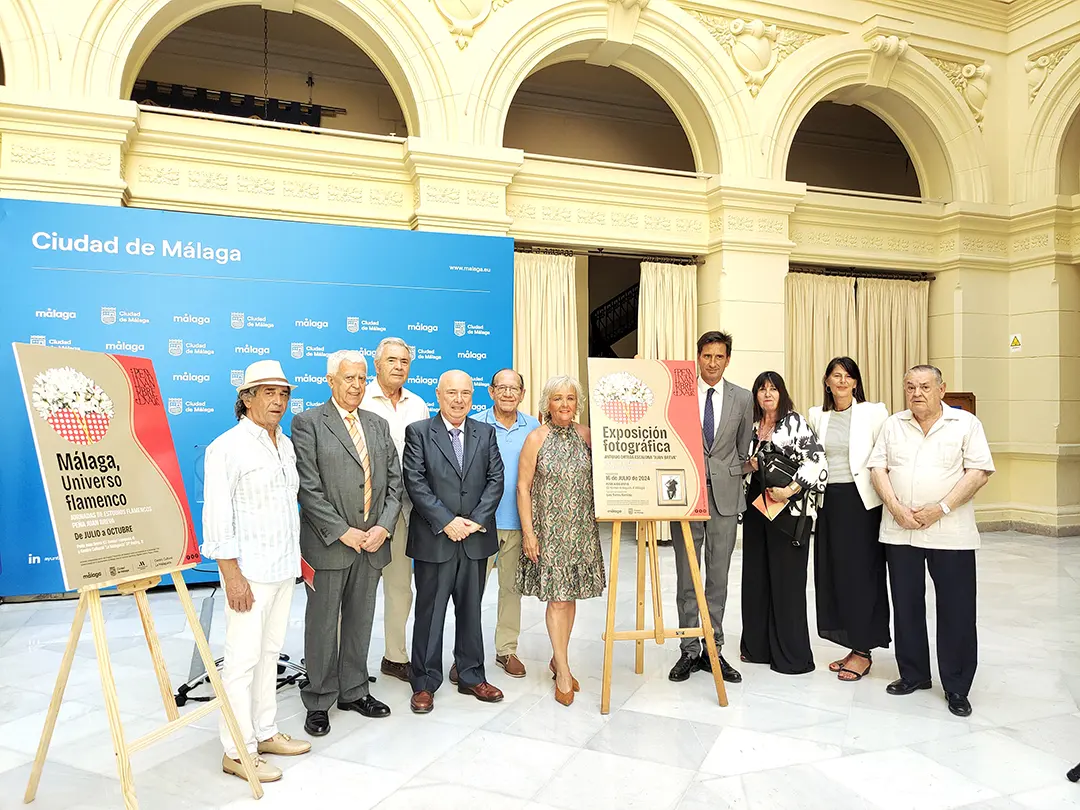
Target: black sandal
858 675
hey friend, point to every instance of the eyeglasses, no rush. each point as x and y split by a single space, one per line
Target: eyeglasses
506 389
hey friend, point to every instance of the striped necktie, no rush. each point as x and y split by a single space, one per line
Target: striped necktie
357 436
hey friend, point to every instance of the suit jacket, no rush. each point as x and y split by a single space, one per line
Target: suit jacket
866 421
440 492
724 459
332 485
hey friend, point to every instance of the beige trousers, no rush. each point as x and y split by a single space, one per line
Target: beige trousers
397 595
508 625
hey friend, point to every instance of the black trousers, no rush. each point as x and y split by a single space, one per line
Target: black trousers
953 572
462 580
775 631
849 572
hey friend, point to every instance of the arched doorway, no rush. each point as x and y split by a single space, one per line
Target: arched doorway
244 62
1069 164
578 110
847 147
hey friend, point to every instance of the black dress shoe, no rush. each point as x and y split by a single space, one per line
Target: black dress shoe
727 671
958 704
686 664
902 687
317 723
367 706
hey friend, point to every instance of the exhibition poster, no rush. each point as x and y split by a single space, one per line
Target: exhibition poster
113 485
648 462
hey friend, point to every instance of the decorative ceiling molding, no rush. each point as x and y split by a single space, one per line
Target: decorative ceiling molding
1039 66
756 47
464 17
970 80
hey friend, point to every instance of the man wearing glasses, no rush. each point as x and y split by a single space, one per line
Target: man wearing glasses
507 391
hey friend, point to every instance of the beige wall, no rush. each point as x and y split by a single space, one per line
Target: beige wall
998 227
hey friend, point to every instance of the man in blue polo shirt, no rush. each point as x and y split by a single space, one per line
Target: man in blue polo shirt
507 391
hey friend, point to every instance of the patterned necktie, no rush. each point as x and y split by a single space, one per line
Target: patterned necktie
357 436
459 449
708 423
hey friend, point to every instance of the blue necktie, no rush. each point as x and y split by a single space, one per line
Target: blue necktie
708 426
459 450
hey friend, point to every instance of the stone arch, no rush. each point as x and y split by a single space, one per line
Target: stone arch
119 36
676 61
924 110
28 48
1056 110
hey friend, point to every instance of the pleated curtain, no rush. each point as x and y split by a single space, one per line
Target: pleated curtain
545 321
667 311
820 325
892 337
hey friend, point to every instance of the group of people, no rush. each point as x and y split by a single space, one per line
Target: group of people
886 497
386 489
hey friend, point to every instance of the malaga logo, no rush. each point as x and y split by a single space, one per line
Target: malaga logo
423 327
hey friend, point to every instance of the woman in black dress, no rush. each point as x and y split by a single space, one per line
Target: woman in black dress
849 562
775 630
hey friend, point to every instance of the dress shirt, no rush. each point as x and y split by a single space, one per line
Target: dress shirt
511 440
923 469
344 418
249 503
450 427
717 402
410 408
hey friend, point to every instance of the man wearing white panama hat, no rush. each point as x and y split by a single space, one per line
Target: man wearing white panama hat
252 528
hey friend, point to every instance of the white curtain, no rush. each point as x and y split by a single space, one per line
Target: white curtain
667 311
545 321
819 325
892 317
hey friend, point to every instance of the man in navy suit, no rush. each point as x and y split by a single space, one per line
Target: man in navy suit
454 475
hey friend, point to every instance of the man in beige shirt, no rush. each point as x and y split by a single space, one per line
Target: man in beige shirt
927 465
390 399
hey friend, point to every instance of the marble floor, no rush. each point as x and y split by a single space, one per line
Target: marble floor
784 742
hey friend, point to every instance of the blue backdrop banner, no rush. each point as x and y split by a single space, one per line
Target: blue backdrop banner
204 296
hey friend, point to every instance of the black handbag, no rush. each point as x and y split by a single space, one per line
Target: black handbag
777 470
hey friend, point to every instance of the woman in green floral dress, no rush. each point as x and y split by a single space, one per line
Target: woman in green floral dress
561 560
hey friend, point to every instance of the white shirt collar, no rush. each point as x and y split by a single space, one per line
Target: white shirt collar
450 426
703 387
344 413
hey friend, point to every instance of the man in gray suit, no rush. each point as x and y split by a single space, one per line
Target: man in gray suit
727 422
454 476
350 498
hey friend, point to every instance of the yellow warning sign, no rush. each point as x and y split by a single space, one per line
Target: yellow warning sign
1014 343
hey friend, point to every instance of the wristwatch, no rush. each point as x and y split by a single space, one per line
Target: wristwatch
945 507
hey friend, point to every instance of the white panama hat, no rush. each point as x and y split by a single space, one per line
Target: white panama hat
264 372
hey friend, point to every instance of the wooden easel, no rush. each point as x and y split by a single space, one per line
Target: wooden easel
90 597
646 547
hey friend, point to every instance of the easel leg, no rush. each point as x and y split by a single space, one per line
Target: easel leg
609 632
215 681
162 672
112 703
642 541
703 608
57 699
654 577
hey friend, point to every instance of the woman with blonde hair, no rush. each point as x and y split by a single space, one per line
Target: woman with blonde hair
561 559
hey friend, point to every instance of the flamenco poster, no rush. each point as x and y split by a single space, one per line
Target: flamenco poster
112 481
648 462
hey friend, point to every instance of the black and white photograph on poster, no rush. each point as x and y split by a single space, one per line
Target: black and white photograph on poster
671 488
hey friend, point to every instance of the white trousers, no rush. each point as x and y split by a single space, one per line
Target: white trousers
253 641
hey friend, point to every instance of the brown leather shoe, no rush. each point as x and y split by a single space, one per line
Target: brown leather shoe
453 674
482 691
422 702
511 664
396 670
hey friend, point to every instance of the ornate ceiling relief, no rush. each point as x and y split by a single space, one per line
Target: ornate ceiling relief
972 82
1039 67
755 47
464 17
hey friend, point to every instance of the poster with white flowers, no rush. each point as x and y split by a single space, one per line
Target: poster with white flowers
108 465
648 462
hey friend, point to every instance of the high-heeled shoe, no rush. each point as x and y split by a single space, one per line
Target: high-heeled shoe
554 676
565 698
